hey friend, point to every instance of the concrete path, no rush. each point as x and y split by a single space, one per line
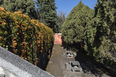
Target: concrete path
56 65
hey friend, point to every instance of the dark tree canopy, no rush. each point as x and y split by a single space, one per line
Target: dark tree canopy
26 6
47 13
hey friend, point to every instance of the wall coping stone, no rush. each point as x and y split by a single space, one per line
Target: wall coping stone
19 66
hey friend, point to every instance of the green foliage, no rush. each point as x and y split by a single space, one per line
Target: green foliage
26 6
25 37
75 24
100 34
47 13
97 29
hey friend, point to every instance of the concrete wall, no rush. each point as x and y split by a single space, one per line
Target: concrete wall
57 38
18 67
6 73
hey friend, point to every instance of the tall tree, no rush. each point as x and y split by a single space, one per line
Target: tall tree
47 13
26 6
75 24
100 36
40 9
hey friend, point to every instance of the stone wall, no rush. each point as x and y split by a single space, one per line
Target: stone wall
18 67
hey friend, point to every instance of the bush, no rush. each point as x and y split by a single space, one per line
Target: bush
23 36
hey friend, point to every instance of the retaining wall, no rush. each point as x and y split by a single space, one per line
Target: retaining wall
18 67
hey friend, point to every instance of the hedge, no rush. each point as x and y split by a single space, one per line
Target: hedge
26 37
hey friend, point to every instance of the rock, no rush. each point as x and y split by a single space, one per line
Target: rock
74 54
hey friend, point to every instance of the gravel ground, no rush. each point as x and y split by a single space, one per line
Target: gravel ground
56 65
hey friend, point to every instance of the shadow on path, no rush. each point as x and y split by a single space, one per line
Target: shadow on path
94 68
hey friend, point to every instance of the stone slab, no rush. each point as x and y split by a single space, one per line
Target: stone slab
68 52
68 66
76 69
75 63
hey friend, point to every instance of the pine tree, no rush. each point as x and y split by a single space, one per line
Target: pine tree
47 13
75 24
26 6
40 9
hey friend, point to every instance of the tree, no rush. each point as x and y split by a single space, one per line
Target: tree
47 13
1 2
61 19
100 35
75 24
40 9
26 6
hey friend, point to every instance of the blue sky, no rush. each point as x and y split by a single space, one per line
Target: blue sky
67 5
